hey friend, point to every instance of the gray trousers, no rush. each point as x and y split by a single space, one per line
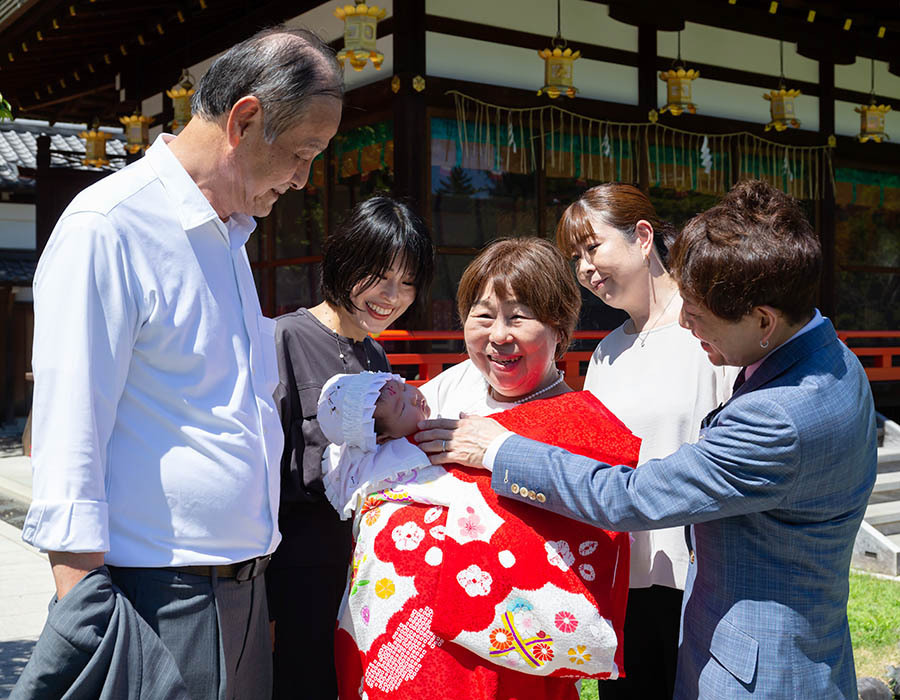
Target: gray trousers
217 629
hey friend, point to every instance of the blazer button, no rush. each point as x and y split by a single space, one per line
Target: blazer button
532 495
514 488
523 492
541 498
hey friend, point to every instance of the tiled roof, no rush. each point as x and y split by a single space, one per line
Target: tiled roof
18 149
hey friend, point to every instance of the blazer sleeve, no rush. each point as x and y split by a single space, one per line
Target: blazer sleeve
747 462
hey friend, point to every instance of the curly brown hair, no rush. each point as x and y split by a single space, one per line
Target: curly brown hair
753 248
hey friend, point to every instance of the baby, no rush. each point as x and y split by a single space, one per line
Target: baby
363 415
398 409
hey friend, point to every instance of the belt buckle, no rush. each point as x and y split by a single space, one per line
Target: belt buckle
252 569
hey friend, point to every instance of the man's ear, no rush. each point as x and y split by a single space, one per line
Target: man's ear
769 320
245 113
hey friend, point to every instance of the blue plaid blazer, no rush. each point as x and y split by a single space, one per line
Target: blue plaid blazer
775 489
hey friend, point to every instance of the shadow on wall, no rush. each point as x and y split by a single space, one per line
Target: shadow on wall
13 657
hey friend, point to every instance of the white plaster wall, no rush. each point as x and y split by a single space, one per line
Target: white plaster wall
857 76
724 47
846 121
17 226
580 21
510 66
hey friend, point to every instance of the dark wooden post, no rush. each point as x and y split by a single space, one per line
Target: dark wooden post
647 81
827 204
44 214
411 149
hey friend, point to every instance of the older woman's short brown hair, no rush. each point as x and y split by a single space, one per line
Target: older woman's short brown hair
754 248
531 271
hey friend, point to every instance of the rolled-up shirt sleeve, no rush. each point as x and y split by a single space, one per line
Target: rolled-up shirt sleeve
87 314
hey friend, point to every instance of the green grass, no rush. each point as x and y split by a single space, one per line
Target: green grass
874 614
589 690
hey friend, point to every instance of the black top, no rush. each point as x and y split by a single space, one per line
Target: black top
309 353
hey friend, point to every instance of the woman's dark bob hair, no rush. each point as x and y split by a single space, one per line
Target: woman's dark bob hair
375 234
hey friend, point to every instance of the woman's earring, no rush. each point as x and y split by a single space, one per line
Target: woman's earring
763 344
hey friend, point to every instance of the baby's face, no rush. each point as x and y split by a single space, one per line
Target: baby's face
399 409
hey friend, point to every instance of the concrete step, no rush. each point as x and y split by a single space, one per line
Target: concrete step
895 539
887 481
883 514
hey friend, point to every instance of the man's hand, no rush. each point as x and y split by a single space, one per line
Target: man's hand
69 568
462 441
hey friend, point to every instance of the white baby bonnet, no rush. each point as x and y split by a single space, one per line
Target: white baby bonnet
355 464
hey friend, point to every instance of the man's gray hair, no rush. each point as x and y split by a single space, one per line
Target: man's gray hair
283 68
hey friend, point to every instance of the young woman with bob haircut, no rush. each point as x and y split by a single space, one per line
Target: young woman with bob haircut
375 266
656 378
776 488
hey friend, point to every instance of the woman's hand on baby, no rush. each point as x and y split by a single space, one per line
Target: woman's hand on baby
462 441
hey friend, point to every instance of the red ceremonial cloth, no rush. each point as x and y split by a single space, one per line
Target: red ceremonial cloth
492 597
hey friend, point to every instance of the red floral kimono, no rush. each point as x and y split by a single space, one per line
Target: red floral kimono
457 592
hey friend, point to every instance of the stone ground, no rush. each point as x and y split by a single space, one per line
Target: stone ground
26 585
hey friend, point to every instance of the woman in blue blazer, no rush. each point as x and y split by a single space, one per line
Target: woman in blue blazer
776 487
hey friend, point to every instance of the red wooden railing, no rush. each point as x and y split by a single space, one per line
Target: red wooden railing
880 360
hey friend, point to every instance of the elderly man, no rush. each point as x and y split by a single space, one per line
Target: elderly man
157 443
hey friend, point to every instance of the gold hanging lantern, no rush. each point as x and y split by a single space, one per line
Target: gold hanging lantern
360 33
678 86
137 131
180 95
95 146
678 90
558 65
781 109
871 122
558 70
781 102
871 117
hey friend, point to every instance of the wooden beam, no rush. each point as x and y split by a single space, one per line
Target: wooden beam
411 152
827 207
647 91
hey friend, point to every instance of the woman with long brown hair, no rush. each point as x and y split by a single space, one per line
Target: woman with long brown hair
653 375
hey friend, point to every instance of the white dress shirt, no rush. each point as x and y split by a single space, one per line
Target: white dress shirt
155 436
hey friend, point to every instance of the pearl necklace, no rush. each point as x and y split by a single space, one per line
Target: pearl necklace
560 376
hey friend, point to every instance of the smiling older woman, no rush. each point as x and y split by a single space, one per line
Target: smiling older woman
778 483
519 306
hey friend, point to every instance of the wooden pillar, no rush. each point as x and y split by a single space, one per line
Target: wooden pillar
7 332
647 81
44 212
826 209
411 149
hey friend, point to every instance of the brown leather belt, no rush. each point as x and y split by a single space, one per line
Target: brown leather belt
240 571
